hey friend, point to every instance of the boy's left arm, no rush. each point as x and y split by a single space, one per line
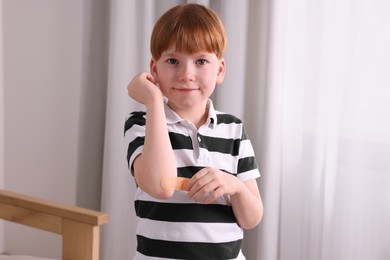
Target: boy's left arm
247 205
209 183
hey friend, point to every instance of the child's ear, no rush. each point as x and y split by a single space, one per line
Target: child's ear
221 71
153 70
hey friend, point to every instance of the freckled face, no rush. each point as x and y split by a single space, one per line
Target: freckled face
187 80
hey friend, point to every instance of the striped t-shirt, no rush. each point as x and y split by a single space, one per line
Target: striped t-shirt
179 228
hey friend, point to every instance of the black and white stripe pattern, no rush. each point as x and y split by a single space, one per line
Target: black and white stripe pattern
179 228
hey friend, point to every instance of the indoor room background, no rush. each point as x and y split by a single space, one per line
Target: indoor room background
309 78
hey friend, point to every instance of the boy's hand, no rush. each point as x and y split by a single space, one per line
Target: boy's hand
209 184
142 88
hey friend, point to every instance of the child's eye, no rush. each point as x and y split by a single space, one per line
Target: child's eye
201 62
172 61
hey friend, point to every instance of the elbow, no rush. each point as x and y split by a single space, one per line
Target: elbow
157 192
254 221
152 187
250 225
162 194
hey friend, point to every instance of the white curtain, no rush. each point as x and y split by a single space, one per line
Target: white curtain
328 133
310 80
1 122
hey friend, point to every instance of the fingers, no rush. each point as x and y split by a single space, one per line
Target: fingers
150 78
204 191
142 88
208 184
194 180
212 196
141 79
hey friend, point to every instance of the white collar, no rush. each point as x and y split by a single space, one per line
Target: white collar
173 118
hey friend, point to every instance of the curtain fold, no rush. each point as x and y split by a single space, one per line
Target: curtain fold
327 61
310 80
118 237
2 152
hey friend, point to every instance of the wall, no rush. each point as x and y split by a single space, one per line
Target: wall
54 109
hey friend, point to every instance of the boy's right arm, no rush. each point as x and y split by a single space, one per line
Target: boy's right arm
157 159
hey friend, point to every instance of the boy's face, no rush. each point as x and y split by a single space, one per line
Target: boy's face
187 80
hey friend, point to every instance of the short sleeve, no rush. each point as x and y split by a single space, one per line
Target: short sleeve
134 133
247 167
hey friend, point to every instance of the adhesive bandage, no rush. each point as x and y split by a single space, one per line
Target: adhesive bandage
175 183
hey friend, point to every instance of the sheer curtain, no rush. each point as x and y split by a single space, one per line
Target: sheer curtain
1 122
310 81
328 133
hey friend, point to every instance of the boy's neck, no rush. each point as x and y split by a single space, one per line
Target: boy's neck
197 116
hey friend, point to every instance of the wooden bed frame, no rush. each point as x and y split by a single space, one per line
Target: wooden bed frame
79 227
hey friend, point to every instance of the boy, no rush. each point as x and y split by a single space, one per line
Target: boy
182 135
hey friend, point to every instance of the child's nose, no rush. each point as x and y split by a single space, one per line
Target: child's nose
186 72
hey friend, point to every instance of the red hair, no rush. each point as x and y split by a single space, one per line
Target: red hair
189 28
